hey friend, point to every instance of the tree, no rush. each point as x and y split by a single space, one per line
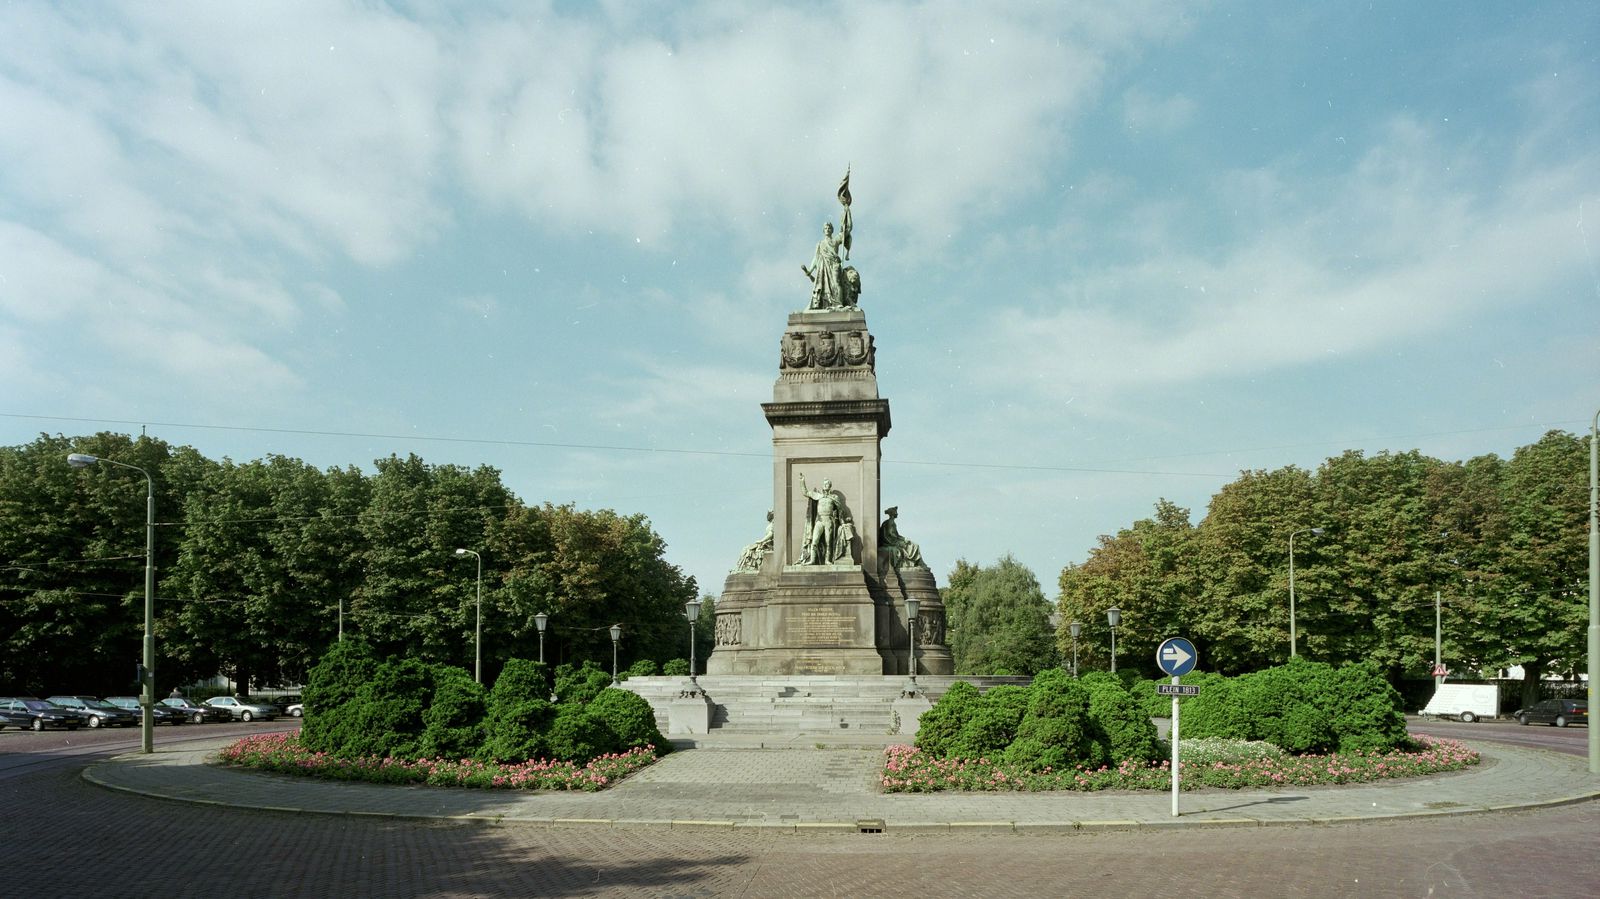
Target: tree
415 597
1146 571
1535 603
998 619
74 545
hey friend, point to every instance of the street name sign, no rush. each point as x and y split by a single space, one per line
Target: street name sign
1177 690
1176 656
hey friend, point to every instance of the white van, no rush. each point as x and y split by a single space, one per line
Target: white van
1468 702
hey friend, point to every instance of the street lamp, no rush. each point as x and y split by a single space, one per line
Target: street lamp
1293 641
147 689
1076 628
1594 584
1113 618
692 610
477 651
912 607
616 636
540 621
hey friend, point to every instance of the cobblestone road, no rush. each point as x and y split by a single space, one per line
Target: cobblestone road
59 828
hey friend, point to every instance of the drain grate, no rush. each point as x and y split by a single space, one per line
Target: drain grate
869 825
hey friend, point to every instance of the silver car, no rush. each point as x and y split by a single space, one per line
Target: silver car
242 709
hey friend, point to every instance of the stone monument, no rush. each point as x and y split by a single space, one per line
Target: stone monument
824 591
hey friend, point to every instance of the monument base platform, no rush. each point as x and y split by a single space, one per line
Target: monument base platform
799 704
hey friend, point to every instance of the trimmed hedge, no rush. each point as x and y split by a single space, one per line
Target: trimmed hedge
517 714
1303 707
1055 722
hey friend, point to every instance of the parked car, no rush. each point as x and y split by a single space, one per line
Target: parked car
41 714
282 703
198 714
1559 712
10 717
298 710
97 712
160 714
242 709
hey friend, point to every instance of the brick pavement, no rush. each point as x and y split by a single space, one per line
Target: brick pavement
818 790
60 827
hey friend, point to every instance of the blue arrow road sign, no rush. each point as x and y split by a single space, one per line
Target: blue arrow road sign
1176 656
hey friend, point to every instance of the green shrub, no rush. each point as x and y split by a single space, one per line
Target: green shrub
1217 713
993 724
1302 707
518 714
385 717
1366 710
676 668
335 680
939 726
641 668
1054 731
453 723
580 685
577 736
629 718
1117 724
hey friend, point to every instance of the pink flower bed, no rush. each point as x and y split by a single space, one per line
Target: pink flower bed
907 769
282 753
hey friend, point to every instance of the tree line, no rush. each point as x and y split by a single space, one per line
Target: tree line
1503 543
258 562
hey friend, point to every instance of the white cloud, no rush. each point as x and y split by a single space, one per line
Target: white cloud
1142 112
1394 249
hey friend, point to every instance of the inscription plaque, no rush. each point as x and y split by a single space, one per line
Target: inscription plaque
822 626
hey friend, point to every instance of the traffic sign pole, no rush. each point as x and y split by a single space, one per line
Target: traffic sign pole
1174 749
1177 657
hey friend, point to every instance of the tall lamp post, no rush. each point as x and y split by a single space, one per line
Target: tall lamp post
692 610
541 621
147 689
477 650
1076 628
1594 584
913 606
1293 636
616 637
1113 618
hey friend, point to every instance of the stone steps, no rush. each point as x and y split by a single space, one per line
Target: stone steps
798 704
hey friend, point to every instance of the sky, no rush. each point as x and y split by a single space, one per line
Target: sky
1110 253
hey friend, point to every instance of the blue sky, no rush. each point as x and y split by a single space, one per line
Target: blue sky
1110 252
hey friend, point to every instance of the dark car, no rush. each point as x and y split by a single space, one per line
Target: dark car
41 714
159 714
10 717
97 712
243 709
197 713
1559 712
282 703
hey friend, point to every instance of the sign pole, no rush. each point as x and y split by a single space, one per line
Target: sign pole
1175 749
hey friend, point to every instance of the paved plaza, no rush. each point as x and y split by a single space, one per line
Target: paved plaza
712 822
756 784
